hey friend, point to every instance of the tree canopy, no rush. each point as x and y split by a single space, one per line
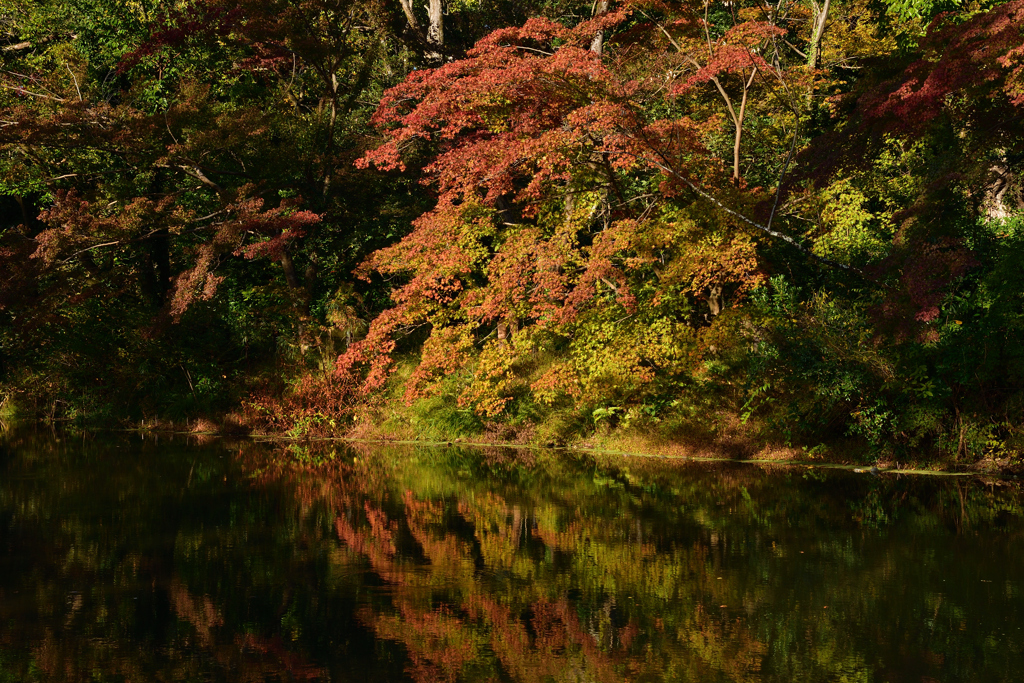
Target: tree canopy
553 216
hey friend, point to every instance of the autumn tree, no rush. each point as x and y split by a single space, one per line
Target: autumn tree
151 156
564 215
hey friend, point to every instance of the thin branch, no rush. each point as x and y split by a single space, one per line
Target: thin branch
96 246
728 101
209 216
750 81
142 238
22 91
707 32
170 132
75 79
669 36
196 173
666 167
533 49
23 45
782 175
795 48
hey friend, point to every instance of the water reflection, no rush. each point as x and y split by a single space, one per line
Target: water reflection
142 560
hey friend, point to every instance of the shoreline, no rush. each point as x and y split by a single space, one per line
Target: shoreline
982 468
602 446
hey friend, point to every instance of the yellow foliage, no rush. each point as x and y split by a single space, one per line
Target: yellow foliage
850 231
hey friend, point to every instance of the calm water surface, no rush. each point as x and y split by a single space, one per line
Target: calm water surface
123 559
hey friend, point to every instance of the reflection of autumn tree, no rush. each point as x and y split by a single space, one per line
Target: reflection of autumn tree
443 639
250 656
507 599
458 565
553 569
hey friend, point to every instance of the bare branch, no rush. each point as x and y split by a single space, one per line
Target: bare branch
23 45
782 174
75 79
196 173
22 91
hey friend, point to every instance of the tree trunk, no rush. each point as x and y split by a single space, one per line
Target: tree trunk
289 272
410 16
24 211
819 16
597 44
162 257
309 280
147 279
715 299
1004 196
737 119
433 39
435 30
332 123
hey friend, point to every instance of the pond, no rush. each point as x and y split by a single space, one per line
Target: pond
148 559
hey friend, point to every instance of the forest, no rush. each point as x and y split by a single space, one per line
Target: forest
723 226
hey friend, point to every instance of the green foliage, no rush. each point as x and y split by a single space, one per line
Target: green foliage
908 10
439 417
815 370
185 123
278 204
